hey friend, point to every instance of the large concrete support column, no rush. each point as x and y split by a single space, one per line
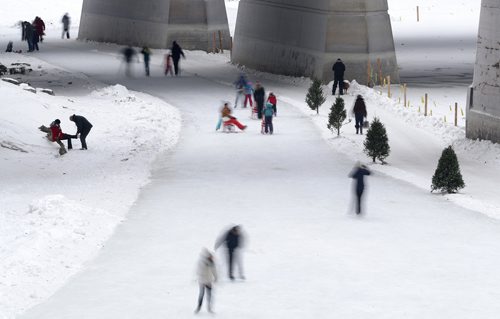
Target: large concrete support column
304 38
483 109
156 23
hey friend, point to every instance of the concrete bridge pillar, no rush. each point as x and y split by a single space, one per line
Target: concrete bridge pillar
156 23
305 38
483 109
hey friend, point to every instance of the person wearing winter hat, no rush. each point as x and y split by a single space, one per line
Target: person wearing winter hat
338 76
83 128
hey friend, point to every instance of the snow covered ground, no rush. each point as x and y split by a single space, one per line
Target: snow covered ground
414 255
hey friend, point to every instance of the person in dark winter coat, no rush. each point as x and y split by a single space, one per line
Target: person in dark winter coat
28 33
128 54
358 174
39 26
176 56
259 95
233 239
146 53
66 22
83 128
207 276
338 76
360 113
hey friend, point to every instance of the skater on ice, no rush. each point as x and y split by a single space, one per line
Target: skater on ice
207 276
83 128
360 114
146 53
227 120
233 239
128 54
358 174
176 56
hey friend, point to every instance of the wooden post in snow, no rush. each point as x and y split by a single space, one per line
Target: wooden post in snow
214 44
404 92
456 114
389 86
425 103
418 14
220 42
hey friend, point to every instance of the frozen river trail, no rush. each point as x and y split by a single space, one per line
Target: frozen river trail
412 255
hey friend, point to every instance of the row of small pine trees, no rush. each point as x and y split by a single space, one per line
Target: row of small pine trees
447 177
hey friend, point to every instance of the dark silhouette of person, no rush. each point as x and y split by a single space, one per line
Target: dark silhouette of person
66 22
128 54
233 240
83 128
360 113
338 76
259 95
176 56
146 53
358 174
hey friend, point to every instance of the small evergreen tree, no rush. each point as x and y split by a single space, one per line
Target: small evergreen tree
377 142
315 97
447 176
337 115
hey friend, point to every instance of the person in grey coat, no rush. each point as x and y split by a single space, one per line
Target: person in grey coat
83 128
66 22
207 276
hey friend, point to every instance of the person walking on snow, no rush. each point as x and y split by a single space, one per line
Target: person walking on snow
338 76
207 276
233 239
39 26
272 99
248 95
128 54
168 64
228 119
240 84
358 174
146 53
268 114
83 128
66 22
176 56
28 32
259 96
360 114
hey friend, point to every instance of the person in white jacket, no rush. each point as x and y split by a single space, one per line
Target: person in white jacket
207 276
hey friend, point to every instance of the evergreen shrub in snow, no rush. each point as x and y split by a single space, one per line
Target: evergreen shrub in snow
447 177
315 97
337 115
377 142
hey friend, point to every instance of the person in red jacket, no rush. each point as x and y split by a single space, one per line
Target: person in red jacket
56 135
272 99
39 26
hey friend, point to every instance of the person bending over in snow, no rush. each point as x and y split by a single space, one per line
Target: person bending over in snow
83 128
228 119
55 134
207 276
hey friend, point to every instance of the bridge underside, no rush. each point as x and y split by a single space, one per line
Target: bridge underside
305 38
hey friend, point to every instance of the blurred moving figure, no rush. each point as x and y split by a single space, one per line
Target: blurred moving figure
233 239
128 54
358 174
207 276
66 22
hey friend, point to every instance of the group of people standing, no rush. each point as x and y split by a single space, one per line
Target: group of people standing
33 32
172 58
233 240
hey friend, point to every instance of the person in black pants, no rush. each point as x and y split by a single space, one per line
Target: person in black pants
358 174
360 114
259 95
338 76
234 241
83 128
176 56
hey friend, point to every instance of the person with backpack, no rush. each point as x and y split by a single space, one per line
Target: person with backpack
83 128
360 114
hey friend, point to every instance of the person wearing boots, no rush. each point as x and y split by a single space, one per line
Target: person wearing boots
83 128
359 111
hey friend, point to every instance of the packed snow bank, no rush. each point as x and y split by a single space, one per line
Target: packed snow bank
57 211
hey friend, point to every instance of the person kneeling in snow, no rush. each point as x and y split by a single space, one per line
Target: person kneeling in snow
228 119
55 134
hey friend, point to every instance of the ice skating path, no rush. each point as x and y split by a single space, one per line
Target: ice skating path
412 256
